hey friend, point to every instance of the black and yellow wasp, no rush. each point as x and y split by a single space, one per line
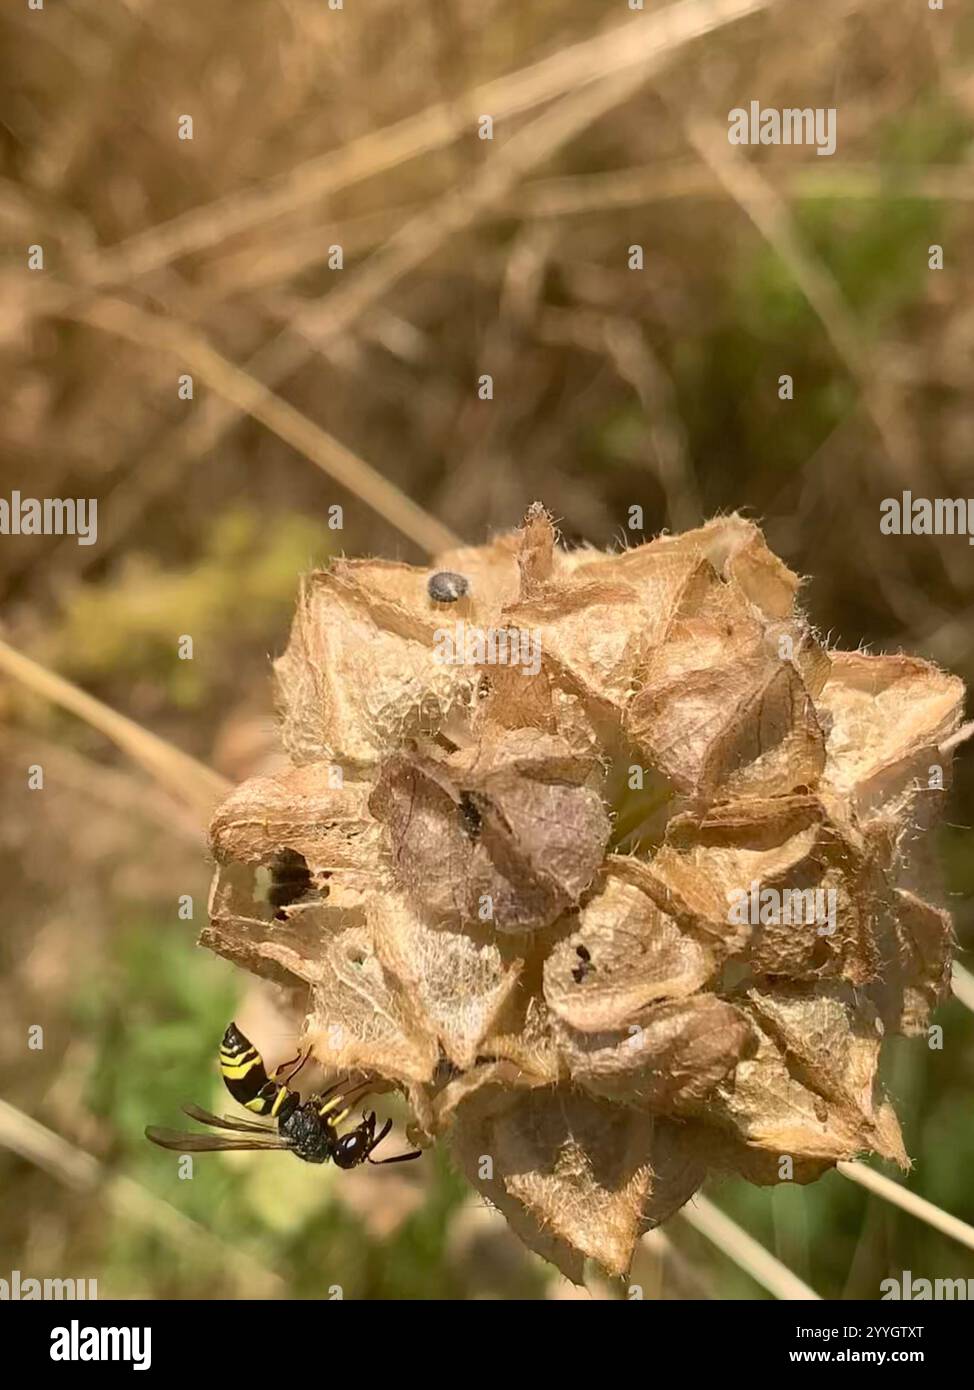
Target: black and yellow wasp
308 1129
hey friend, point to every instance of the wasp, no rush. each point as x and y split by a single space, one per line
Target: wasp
308 1129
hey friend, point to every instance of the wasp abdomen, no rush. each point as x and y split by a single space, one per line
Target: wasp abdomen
245 1077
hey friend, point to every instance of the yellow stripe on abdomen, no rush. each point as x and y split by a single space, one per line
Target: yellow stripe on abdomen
237 1071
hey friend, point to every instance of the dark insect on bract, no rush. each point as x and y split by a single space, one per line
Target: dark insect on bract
290 879
308 1129
472 818
447 587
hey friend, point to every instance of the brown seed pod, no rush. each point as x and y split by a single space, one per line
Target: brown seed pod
634 910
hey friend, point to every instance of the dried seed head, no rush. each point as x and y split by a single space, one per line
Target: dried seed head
447 587
614 918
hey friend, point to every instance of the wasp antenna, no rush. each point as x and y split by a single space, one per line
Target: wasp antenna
397 1158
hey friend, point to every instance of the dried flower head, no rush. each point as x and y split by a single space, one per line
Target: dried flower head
613 918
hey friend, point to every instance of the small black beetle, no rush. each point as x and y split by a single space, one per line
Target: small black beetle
447 587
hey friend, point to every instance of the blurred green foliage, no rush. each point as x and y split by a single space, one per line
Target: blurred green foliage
244 582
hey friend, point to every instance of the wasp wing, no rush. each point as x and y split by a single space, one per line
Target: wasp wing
205 1117
183 1142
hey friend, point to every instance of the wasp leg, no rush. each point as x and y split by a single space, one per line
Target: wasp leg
337 1086
300 1058
348 1098
276 1073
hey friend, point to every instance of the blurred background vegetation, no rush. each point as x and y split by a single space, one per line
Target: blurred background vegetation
612 387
